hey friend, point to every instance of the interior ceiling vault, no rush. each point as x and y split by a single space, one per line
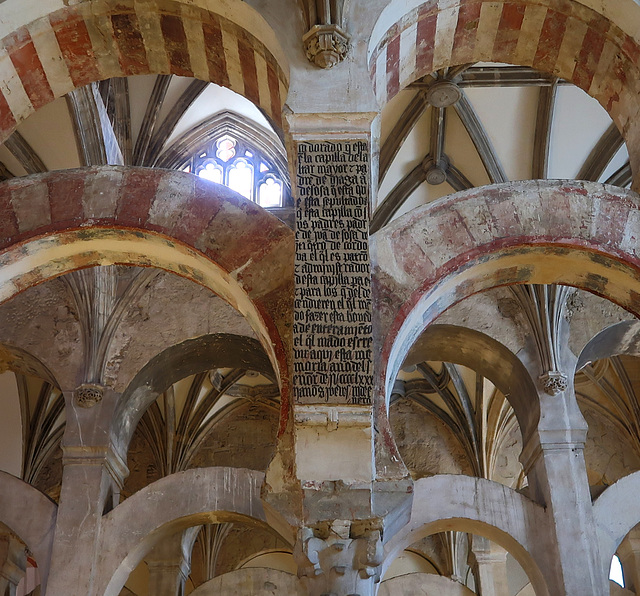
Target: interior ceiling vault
200 386
495 105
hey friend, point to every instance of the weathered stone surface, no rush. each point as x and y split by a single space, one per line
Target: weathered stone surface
177 501
426 445
465 508
255 581
422 584
30 515
582 246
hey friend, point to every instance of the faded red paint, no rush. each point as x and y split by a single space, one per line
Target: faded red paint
175 40
197 215
419 264
208 218
559 218
553 30
274 94
611 221
508 32
215 50
588 59
393 67
75 44
7 121
249 72
29 68
65 199
464 40
132 53
8 220
71 26
561 225
631 49
136 196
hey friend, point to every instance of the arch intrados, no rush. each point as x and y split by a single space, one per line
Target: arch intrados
485 355
479 275
46 257
479 528
494 534
600 40
169 505
22 362
394 11
30 515
55 50
620 498
137 555
479 506
534 232
193 356
619 339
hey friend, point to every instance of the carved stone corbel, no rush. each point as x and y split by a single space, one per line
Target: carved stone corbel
326 43
334 558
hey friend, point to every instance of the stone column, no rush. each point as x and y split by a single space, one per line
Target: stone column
629 554
169 566
553 460
13 563
553 449
93 474
335 450
490 565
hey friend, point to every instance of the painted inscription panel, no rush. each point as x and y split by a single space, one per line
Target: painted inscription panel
332 313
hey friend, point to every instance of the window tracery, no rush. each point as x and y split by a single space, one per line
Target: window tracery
230 160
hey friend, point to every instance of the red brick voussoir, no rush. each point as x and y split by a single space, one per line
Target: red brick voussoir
563 38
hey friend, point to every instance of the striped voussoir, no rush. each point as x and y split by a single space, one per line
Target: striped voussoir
560 37
247 242
92 41
524 232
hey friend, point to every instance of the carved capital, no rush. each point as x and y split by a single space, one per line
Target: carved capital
88 395
333 560
326 45
554 382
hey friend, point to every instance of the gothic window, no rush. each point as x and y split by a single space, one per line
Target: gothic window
231 161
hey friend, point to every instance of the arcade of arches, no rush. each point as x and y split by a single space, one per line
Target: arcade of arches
319 297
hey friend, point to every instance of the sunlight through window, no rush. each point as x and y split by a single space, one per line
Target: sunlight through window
229 161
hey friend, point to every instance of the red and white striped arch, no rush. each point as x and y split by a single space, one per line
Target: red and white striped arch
91 41
61 221
561 37
574 233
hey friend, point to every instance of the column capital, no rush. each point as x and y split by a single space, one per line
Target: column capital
97 455
339 558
